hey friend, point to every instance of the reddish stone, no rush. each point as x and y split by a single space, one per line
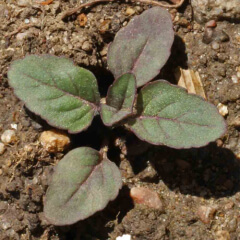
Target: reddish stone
147 197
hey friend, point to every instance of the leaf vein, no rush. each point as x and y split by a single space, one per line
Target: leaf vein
61 90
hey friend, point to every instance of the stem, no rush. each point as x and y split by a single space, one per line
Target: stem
104 149
89 4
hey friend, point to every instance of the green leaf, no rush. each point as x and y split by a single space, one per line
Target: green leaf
82 184
63 94
143 46
119 100
168 115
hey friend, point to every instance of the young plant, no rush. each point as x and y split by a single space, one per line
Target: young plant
67 97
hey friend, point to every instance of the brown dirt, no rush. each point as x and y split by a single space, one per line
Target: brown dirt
184 179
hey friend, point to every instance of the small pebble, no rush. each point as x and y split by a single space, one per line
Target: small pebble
235 79
34 20
215 46
27 21
211 24
53 141
22 36
206 214
28 148
87 46
147 197
223 109
124 237
236 121
130 11
8 136
2 148
229 205
14 126
104 26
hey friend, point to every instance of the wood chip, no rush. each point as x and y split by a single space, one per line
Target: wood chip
82 19
46 2
191 81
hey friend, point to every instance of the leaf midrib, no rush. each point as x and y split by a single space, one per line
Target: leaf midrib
60 90
84 181
139 55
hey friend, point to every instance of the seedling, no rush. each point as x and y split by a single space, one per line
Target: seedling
67 97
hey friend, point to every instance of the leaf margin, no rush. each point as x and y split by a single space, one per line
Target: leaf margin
123 28
100 209
224 124
94 110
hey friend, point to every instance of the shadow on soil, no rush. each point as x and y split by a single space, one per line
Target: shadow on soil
210 171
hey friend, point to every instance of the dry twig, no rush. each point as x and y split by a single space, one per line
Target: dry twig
88 4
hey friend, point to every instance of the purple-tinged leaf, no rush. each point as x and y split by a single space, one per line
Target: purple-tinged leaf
82 184
143 46
63 94
168 115
119 100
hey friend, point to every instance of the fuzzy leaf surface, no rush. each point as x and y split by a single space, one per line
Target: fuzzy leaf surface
119 100
61 93
168 115
82 184
143 46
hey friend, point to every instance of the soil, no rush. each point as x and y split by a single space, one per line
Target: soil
184 179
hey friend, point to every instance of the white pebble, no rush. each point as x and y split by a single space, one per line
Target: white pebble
2 148
33 20
8 136
14 126
21 36
27 21
235 79
215 46
223 109
28 148
124 237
